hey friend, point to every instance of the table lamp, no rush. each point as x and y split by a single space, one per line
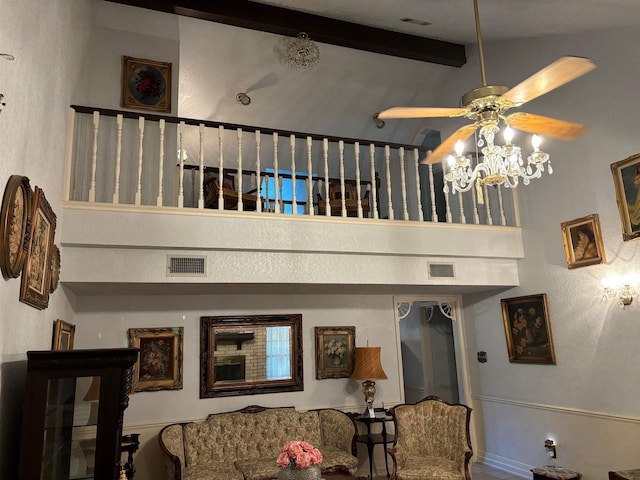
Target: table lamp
368 368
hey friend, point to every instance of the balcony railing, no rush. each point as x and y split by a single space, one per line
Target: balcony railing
124 158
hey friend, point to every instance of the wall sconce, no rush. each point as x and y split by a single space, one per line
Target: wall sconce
620 288
243 98
550 447
379 123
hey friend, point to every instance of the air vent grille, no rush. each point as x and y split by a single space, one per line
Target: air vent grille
186 266
441 270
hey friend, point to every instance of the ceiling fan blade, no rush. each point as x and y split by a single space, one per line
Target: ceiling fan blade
445 148
546 126
562 71
421 112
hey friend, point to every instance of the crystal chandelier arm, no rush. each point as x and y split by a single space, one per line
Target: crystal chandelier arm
550 127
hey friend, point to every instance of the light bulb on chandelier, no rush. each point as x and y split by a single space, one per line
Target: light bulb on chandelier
501 164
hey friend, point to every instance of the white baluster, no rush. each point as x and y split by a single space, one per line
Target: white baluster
374 185
463 218
310 209
356 152
387 158
325 144
94 157
341 150
220 168
116 186
432 193
476 216
160 164
201 186
275 173
259 173
416 161
403 182
140 140
181 159
240 175
294 200
487 205
503 220
448 208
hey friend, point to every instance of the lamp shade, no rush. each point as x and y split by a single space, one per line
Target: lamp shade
368 366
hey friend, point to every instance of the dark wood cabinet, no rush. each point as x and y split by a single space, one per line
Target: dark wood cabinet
72 416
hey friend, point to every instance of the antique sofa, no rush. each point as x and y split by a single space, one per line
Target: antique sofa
244 445
432 441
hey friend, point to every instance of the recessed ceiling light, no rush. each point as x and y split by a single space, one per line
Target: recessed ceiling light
422 23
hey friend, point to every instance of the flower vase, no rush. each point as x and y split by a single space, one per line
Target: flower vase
291 472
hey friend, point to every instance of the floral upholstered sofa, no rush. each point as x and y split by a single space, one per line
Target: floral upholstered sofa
244 445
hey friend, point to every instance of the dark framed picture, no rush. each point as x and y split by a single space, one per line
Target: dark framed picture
159 365
36 276
15 222
583 241
63 335
626 179
335 352
146 84
527 328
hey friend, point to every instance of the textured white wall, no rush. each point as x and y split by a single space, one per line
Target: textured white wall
518 405
49 41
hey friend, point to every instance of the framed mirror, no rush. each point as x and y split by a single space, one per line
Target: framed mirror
247 355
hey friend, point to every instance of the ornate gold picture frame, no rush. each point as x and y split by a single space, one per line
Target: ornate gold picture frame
159 365
583 241
335 352
36 277
527 328
146 84
63 335
15 225
626 179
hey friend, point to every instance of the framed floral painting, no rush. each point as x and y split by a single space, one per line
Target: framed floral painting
335 352
146 84
526 325
159 365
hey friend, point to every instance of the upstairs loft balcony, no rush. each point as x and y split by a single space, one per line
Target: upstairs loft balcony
252 205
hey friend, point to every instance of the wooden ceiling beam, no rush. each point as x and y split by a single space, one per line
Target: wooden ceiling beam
282 21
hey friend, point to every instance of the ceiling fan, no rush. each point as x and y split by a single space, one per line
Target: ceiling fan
487 106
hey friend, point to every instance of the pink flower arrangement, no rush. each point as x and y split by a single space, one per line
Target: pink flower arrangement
299 454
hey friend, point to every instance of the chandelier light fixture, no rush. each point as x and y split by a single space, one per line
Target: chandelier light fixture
301 53
497 163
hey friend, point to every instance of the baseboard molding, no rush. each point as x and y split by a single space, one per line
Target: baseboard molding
504 464
557 409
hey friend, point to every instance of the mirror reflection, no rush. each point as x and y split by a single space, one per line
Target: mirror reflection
249 355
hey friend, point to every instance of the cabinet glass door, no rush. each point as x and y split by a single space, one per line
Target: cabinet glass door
70 428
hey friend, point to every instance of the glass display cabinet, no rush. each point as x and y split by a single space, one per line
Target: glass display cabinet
73 410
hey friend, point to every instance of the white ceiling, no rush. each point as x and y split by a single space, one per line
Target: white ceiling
453 20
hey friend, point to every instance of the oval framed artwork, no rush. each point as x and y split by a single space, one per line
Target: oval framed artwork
15 225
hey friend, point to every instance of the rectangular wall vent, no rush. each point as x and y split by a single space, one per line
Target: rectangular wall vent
186 266
441 270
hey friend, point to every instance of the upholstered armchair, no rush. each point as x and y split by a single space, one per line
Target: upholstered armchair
432 441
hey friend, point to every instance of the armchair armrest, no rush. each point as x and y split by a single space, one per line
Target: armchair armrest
338 430
172 446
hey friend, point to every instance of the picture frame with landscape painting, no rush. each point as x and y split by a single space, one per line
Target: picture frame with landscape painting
335 352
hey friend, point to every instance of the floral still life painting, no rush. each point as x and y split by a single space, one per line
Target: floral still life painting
334 352
146 84
159 365
527 328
